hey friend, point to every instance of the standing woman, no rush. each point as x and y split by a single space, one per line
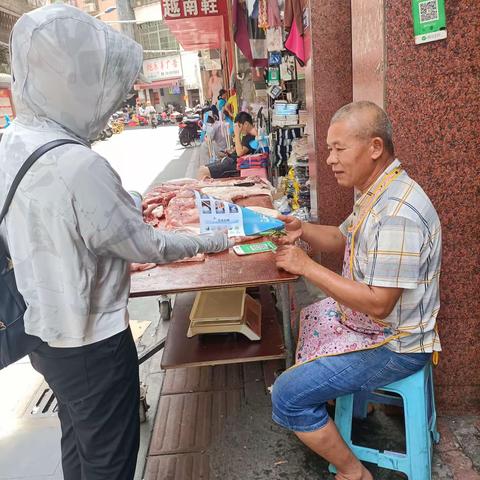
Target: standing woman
72 232
225 109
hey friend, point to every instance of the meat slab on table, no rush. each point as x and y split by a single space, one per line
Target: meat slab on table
171 205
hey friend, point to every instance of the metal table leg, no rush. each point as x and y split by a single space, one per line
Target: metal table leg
152 350
165 307
287 327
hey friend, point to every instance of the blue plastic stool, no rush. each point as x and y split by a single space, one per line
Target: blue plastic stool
417 394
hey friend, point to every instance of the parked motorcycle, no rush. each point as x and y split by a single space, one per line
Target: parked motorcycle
104 134
108 130
137 120
189 130
163 118
176 118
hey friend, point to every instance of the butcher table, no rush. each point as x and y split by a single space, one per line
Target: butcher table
221 270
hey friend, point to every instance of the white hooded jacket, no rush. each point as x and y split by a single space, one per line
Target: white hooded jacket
72 229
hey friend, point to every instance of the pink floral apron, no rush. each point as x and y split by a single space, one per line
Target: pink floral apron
328 328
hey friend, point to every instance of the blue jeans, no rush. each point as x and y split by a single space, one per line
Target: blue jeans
300 394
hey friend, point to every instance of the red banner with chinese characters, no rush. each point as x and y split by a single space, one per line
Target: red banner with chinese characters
177 9
199 24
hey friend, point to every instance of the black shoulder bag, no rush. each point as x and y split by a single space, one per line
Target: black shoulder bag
14 342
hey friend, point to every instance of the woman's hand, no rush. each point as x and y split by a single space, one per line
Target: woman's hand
292 259
293 227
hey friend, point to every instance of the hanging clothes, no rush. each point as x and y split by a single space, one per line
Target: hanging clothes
249 38
293 23
262 15
273 14
274 39
294 12
283 140
251 5
295 44
257 34
254 13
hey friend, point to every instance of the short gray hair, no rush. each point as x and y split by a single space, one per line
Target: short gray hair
379 126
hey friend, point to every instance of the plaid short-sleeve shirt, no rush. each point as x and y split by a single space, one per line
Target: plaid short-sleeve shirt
399 245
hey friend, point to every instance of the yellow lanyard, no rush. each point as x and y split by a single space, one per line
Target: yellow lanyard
389 178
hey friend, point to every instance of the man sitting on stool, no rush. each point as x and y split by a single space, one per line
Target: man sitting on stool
378 323
244 134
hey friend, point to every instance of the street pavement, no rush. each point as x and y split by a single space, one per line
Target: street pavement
29 436
146 156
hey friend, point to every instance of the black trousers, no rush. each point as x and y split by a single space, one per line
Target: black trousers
97 389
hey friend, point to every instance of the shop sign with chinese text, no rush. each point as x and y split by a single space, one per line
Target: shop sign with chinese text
175 9
163 68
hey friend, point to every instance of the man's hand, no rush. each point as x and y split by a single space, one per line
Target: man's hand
293 227
236 129
292 259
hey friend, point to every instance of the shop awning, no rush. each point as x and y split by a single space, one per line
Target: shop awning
170 82
198 33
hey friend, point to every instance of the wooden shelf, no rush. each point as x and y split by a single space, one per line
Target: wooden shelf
181 351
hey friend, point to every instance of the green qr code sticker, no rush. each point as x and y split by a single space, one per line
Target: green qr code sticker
255 248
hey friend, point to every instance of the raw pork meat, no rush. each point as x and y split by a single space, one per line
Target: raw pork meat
232 193
172 205
141 267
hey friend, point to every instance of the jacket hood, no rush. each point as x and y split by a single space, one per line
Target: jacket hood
70 68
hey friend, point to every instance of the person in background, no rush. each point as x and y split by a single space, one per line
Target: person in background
215 84
244 135
225 109
72 232
222 100
232 105
164 116
151 115
218 133
378 324
126 114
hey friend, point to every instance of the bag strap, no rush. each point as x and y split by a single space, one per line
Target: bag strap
26 166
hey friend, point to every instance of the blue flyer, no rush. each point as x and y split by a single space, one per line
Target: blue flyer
216 214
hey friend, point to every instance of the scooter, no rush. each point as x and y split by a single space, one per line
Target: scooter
101 136
189 131
176 118
108 130
137 120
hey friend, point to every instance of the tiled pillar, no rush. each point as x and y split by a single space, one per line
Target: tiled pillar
432 97
328 87
431 94
368 50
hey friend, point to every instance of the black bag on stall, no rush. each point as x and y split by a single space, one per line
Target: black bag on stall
14 342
